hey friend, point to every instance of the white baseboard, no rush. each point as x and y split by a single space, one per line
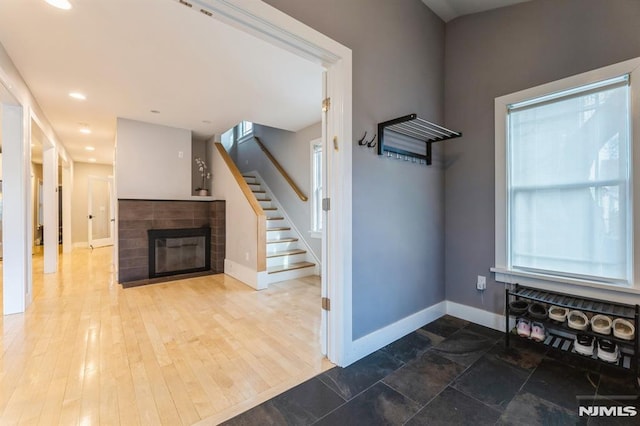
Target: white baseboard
262 280
475 315
250 277
382 337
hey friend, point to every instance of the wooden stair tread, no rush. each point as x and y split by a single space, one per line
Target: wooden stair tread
282 240
263 199
289 267
248 177
286 253
260 191
275 217
269 208
279 228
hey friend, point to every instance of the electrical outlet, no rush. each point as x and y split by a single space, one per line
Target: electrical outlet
180 154
246 255
481 284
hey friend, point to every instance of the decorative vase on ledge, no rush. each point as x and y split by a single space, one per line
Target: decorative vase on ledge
203 192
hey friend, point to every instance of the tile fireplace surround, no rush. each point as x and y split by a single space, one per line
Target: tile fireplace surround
136 217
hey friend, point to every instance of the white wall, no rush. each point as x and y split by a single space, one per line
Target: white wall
152 161
80 200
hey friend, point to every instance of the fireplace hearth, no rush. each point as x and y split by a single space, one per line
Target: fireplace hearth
179 251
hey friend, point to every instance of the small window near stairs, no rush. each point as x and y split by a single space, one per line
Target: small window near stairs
316 188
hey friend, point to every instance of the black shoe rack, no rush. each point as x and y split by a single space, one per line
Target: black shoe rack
560 337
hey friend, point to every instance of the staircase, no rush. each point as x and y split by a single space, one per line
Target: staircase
287 257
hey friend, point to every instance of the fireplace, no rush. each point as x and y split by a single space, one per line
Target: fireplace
179 251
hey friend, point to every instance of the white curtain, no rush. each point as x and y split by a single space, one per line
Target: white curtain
569 195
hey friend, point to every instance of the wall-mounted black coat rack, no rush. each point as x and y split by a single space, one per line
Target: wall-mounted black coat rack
412 137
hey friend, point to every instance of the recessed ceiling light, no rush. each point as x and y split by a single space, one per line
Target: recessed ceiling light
79 96
92 160
155 111
89 148
60 4
85 130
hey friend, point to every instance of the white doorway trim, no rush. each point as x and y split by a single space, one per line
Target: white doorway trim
17 216
275 27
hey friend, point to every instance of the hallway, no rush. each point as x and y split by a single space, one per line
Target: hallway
88 352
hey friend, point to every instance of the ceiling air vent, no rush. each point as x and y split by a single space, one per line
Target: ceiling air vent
206 12
185 3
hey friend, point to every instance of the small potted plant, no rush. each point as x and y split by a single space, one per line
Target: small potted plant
202 168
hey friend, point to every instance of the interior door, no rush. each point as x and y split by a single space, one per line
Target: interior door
100 215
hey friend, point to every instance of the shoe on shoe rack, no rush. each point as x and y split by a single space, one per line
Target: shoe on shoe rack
523 327
623 329
518 307
577 320
601 324
608 351
557 313
538 311
538 332
583 344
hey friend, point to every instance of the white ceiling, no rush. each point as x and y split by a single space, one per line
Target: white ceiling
131 57
451 9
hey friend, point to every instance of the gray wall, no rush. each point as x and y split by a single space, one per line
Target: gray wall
292 150
492 54
398 222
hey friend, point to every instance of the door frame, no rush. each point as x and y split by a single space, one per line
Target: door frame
279 29
103 241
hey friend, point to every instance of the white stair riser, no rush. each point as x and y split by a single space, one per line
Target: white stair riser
290 275
254 186
285 260
276 235
276 223
252 181
273 248
265 203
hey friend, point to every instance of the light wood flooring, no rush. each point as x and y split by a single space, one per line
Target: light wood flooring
201 350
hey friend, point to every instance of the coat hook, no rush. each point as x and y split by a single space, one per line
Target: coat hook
362 141
372 142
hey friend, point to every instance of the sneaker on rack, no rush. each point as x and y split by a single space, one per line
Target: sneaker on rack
608 351
583 344
538 332
523 326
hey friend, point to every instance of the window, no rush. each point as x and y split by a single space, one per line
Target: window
316 188
564 167
245 128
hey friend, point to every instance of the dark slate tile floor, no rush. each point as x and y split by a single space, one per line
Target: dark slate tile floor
451 372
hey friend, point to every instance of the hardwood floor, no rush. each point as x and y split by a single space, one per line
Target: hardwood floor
199 350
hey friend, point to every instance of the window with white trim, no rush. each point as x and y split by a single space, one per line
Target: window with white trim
564 179
316 187
245 128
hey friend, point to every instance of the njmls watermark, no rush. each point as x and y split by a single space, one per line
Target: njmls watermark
608 405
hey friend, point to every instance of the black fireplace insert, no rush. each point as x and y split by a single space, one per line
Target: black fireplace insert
179 251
